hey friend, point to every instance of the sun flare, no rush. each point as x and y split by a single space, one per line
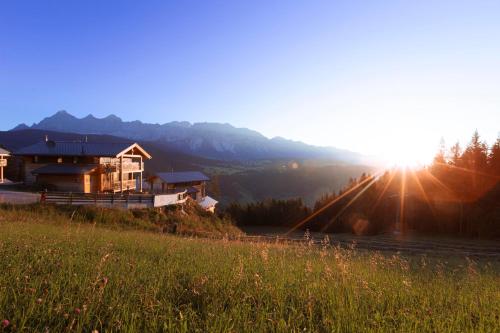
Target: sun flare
408 154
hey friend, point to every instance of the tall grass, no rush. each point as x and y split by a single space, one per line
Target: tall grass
78 277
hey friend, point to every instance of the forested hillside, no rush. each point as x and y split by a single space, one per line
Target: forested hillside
459 194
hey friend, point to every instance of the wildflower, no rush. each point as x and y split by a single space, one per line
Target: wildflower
77 311
39 301
5 323
265 255
258 280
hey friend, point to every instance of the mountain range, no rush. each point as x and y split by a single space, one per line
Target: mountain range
208 140
241 181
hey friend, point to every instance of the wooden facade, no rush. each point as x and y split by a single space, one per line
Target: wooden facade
3 162
84 167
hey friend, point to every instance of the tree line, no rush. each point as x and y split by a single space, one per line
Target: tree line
458 194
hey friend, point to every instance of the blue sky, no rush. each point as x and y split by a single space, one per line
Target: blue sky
379 77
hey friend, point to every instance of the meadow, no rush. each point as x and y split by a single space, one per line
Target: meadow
63 275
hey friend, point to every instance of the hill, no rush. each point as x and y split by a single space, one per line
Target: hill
79 277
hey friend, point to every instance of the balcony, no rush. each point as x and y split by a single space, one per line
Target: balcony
130 167
127 185
115 167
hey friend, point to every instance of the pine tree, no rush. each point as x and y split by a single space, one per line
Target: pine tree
494 158
440 156
475 156
456 154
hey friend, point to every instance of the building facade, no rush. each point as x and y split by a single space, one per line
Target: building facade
4 153
88 167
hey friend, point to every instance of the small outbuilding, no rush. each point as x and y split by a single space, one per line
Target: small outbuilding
194 182
208 203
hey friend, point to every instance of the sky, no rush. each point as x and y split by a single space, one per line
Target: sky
386 78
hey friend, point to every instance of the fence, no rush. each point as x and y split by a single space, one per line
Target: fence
127 201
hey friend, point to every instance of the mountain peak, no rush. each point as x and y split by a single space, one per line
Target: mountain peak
112 117
206 139
61 114
20 127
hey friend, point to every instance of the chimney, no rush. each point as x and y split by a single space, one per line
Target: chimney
46 137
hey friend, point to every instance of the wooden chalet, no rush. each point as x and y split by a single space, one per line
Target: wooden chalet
87 167
4 153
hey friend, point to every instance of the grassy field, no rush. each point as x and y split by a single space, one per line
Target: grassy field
68 276
191 220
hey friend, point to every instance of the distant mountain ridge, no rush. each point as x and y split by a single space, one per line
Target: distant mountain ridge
207 140
242 181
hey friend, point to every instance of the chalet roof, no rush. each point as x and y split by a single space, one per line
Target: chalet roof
64 169
191 190
68 148
4 151
182 177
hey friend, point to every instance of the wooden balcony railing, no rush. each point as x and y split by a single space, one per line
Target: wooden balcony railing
130 166
115 167
127 185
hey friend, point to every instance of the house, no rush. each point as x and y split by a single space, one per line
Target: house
192 182
4 153
82 166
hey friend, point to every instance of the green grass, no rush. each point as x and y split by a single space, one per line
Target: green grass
69 276
191 220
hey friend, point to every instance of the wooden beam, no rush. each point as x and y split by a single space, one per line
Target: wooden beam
140 176
121 174
131 155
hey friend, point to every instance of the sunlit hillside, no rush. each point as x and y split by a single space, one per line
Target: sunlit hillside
81 277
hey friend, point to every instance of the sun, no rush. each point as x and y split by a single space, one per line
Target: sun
407 155
405 161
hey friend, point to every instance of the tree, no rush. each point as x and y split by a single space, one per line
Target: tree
440 156
456 155
475 156
494 158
